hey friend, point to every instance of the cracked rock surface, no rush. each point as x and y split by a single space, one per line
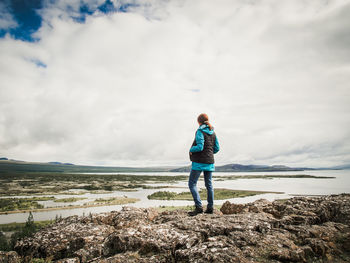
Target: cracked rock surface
301 229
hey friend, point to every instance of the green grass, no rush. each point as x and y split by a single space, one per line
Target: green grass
219 194
33 199
10 227
11 204
69 199
115 200
163 195
50 183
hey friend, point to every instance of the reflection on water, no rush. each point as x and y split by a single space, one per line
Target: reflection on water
290 187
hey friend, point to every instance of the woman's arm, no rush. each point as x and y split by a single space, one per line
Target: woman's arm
216 145
199 141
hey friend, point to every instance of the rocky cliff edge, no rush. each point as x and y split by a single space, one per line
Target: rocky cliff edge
301 229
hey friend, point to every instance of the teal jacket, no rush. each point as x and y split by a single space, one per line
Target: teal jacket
199 147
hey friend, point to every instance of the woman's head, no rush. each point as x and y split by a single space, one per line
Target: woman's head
204 119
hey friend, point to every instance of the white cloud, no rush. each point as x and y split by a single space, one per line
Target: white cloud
6 18
126 88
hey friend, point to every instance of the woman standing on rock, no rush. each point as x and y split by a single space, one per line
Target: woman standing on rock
202 152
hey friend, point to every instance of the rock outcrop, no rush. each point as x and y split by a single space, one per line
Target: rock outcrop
301 229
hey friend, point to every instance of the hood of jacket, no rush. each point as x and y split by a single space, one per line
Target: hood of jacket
205 128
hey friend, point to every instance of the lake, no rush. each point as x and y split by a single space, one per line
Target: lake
289 186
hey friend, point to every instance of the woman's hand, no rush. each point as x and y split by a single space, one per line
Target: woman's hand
190 153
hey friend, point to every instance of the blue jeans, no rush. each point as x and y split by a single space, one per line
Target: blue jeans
192 184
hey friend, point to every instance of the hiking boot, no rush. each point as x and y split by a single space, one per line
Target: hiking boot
209 210
196 211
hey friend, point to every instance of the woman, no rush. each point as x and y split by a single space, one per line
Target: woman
202 153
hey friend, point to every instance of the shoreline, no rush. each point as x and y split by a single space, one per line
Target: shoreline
129 201
42 184
159 208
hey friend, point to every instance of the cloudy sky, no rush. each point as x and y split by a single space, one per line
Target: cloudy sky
122 82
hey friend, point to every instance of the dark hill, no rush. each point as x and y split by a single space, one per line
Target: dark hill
246 168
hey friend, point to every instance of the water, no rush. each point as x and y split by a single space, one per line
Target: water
290 187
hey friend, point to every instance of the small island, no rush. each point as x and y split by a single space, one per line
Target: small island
219 194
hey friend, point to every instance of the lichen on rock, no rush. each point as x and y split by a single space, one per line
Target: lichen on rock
302 229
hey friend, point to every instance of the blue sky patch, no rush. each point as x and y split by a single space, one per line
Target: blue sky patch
83 12
107 7
25 12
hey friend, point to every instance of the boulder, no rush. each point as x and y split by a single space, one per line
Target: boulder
9 257
301 229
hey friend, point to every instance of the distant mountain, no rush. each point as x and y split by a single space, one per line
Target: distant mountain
184 169
60 163
8 166
14 166
341 167
247 168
